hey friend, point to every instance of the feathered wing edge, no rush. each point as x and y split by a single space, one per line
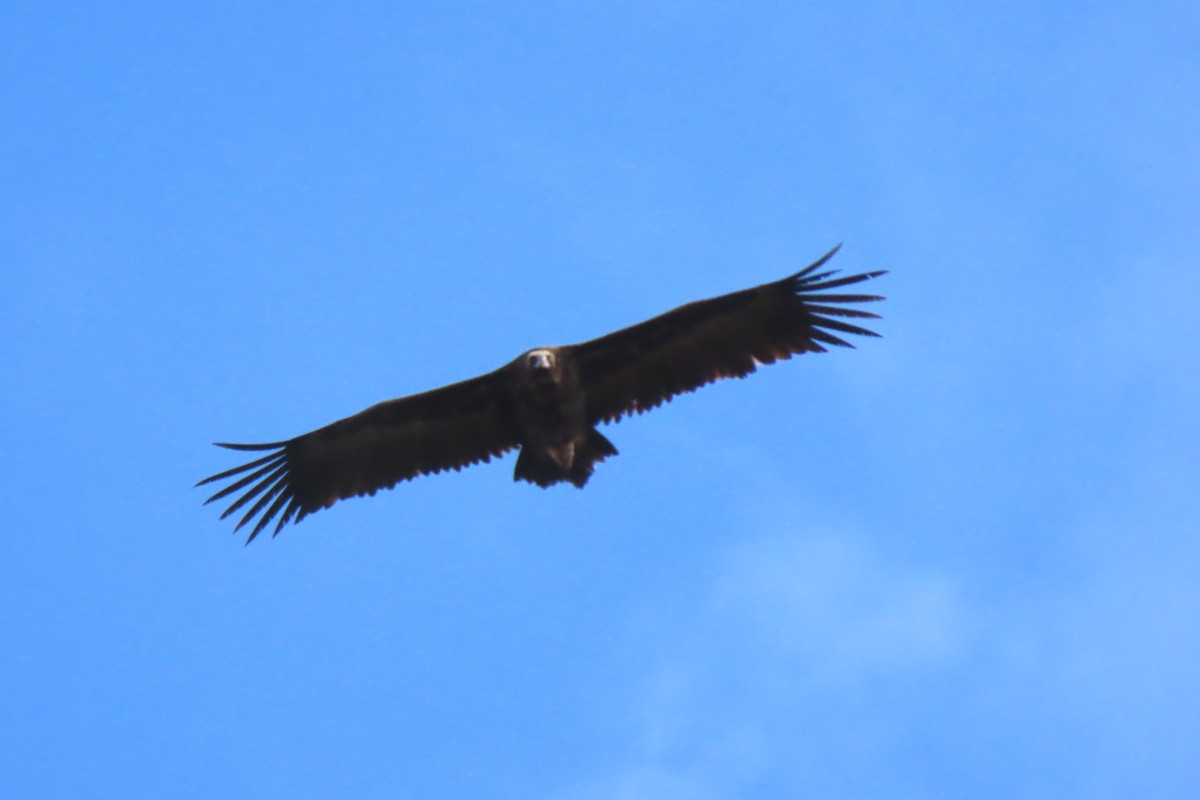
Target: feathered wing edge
806 284
271 472
444 429
640 367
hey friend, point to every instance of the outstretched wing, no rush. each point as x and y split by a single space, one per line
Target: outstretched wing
640 367
448 428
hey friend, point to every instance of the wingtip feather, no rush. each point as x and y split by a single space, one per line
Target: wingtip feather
250 447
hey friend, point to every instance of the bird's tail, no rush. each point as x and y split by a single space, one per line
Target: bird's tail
544 469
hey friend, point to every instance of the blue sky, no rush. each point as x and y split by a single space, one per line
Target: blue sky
959 561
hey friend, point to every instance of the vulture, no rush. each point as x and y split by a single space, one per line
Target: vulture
547 402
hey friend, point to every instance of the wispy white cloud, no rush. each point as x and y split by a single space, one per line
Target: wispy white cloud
831 606
741 688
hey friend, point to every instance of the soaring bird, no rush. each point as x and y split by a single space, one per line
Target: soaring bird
547 401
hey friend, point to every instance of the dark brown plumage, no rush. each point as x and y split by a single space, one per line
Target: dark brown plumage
547 401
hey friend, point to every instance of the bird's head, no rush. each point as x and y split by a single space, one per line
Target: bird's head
542 367
540 361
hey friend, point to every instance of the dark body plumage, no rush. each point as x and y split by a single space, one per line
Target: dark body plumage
547 401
